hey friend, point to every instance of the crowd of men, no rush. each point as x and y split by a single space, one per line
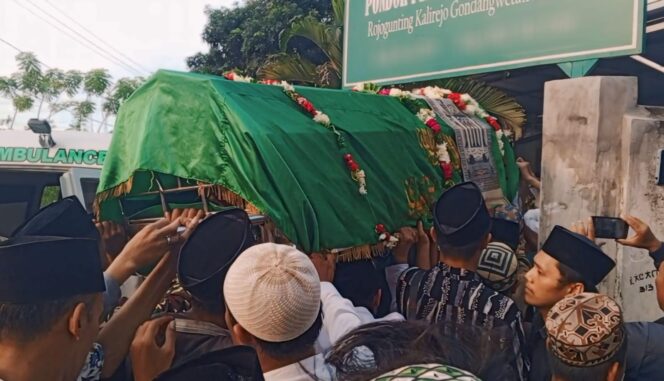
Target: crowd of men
461 301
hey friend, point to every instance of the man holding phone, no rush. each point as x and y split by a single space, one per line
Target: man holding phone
645 340
644 238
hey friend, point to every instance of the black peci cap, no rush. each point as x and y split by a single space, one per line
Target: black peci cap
64 218
42 269
461 216
578 253
208 254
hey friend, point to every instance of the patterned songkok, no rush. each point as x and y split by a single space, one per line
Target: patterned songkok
497 266
427 372
585 330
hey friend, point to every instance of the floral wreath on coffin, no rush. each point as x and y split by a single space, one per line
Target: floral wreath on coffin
357 174
464 102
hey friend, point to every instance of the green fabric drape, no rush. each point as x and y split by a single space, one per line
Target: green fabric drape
258 143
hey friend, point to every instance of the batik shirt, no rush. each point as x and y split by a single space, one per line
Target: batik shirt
446 294
93 364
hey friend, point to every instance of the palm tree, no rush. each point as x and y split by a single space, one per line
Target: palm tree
327 37
295 67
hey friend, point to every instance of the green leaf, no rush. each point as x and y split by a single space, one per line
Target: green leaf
96 81
72 81
28 63
322 35
8 86
23 103
338 10
291 68
245 35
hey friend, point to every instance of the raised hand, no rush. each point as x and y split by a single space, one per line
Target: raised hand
325 265
149 358
643 237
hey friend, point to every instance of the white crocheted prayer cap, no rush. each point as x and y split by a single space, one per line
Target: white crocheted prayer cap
273 292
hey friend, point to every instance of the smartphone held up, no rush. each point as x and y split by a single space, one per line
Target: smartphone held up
610 227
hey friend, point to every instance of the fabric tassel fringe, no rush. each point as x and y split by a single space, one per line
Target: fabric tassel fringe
115 192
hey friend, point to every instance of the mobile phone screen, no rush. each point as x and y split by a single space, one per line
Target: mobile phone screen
610 227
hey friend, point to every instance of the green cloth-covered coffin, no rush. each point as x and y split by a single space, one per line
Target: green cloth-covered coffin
256 142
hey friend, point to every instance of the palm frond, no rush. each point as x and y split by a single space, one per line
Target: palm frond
328 76
338 11
322 35
289 67
493 100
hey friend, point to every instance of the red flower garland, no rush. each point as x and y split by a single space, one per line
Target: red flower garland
447 170
350 163
434 125
308 106
357 174
456 98
493 122
384 236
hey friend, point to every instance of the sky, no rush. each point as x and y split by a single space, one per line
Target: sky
153 33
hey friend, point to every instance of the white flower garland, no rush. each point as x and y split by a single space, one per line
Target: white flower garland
362 182
442 153
473 108
425 114
322 118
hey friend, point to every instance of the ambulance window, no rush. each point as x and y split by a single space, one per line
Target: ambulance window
50 194
14 206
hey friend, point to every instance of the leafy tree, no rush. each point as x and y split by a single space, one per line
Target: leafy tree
244 36
58 107
96 81
122 90
22 86
72 82
30 71
11 87
95 84
31 85
82 111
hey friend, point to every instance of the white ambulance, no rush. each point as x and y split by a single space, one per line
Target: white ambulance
40 166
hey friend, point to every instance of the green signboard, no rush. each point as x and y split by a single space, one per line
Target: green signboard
396 41
45 156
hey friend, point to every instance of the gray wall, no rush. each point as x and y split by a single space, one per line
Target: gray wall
599 156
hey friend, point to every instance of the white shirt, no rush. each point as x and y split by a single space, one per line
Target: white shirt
309 369
392 274
340 316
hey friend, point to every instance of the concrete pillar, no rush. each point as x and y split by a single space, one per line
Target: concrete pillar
599 157
642 137
581 152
